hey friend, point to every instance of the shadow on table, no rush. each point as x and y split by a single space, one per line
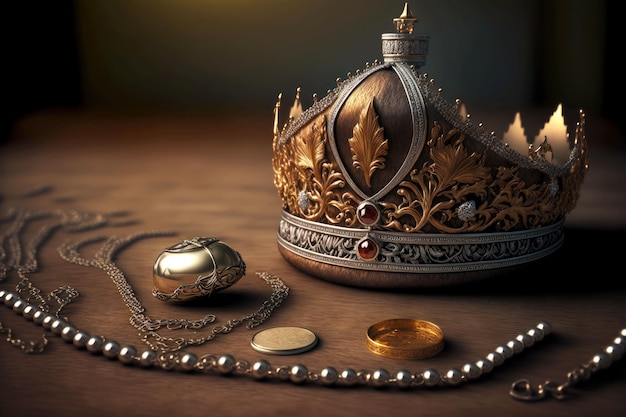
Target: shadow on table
589 261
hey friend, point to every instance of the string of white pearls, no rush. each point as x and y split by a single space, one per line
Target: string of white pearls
298 373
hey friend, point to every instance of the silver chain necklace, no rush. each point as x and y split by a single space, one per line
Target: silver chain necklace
11 258
147 326
69 251
167 354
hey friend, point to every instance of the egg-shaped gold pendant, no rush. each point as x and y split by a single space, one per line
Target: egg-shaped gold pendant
196 268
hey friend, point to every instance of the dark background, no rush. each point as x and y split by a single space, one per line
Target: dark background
198 56
201 56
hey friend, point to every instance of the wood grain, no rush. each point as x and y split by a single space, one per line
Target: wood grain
211 175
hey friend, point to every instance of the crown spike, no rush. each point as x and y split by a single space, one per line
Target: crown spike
406 21
541 150
276 110
296 109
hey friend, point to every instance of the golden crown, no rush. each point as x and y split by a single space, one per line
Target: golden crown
386 184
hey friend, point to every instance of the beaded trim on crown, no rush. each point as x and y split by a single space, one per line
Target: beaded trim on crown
384 183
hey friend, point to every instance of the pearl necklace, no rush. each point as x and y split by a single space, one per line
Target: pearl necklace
226 364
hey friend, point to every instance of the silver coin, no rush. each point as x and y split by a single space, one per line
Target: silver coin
284 340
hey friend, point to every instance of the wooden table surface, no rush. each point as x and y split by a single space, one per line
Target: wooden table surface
211 176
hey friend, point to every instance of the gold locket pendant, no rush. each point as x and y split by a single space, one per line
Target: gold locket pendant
196 268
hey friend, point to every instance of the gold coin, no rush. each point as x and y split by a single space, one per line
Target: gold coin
405 339
284 340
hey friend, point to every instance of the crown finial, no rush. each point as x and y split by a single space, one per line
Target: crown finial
406 21
404 45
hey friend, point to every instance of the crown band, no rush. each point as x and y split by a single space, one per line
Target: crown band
409 254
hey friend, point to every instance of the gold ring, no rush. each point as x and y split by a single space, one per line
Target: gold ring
405 339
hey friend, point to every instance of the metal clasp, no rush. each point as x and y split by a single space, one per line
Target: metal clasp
523 391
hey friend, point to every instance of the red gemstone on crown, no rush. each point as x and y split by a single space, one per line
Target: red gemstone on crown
367 213
367 249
